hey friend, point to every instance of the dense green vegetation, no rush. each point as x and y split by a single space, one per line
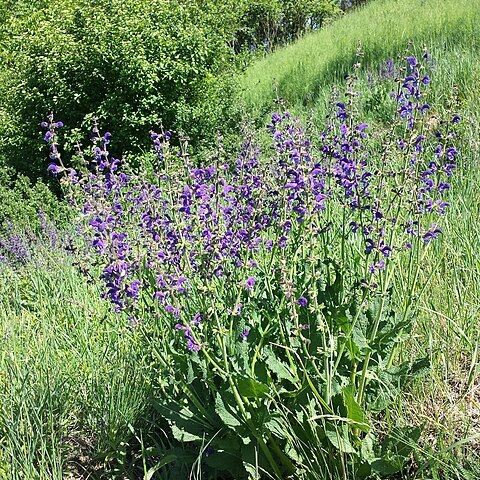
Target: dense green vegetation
98 381
134 64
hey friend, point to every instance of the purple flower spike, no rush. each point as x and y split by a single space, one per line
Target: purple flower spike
55 169
245 334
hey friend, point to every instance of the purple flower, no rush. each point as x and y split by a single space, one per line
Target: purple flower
424 108
302 301
377 266
133 289
432 233
412 61
173 310
191 345
54 168
451 153
245 334
386 250
250 283
369 245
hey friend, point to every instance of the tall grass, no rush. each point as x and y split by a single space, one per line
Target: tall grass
73 386
303 73
448 399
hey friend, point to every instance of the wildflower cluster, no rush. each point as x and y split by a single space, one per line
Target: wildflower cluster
295 245
219 220
20 246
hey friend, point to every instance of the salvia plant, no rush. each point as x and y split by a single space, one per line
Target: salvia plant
21 246
269 280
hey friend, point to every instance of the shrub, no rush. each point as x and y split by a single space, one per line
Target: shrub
22 201
133 64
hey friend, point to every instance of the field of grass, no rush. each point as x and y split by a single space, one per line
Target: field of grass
304 73
72 379
81 386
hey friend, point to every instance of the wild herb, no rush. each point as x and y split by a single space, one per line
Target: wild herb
270 279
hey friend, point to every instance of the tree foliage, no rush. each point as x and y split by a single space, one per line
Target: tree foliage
266 24
134 64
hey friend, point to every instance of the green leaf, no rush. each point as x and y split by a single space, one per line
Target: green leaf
223 460
279 368
186 425
182 435
164 461
339 438
359 334
386 466
396 448
252 456
420 367
250 388
274 425
227 417
354 410
366 450
401 441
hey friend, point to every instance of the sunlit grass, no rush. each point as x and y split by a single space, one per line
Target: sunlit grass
303 73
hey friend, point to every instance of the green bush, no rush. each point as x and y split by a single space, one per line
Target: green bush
22 201
136 63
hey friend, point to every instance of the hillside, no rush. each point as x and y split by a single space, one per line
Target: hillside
299 300
304 72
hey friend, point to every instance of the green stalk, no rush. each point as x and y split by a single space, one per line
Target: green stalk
363 378
257 351
241 404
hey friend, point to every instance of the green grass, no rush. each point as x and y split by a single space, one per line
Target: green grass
73 383
448 400
304 73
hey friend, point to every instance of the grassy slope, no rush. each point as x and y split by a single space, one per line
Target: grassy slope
304 72
449 320
70 368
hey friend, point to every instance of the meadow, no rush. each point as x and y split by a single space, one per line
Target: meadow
298 301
